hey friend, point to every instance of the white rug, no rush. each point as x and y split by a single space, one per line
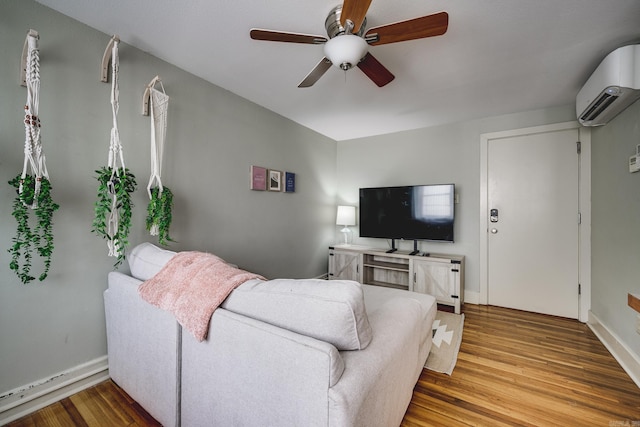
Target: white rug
447 336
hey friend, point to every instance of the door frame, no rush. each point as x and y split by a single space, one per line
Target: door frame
584 202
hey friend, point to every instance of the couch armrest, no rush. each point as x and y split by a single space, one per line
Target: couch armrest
252 373
377 385
143 345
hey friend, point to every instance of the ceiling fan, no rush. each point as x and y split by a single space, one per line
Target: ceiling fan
348 43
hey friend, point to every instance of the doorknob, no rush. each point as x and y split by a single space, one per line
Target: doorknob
494 231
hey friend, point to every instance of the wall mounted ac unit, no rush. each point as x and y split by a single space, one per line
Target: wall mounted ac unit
611 88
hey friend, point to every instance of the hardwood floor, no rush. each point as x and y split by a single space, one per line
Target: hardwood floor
105 404
519 368
514 369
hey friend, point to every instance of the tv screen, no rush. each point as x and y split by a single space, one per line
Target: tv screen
418 212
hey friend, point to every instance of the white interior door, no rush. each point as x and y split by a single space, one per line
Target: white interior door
533 240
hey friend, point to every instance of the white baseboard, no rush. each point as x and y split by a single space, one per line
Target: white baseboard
629 361
24 400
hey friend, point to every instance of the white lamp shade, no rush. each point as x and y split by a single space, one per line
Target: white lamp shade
346 215
345 51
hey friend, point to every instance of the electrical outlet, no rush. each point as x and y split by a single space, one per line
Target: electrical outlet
638 324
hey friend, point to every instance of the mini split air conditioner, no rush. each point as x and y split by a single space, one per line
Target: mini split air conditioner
611 88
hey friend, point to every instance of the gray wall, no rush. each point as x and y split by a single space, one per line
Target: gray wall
213 139
615 244
442 154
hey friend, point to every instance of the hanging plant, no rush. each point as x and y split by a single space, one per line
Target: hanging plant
39 238
159 214
114 198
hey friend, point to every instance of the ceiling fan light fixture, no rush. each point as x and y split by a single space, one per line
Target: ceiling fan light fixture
345 51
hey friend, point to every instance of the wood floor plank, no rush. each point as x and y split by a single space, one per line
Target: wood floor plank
446 409
514 369
54 415
95 410
73 413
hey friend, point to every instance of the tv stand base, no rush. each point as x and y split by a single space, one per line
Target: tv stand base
440 275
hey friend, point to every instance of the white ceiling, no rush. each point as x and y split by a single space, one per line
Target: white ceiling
497 57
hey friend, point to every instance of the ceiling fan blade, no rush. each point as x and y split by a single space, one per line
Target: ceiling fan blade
355 11
418 28
316 73
280 36
375 70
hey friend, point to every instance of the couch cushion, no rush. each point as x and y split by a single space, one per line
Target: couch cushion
331 311
146 259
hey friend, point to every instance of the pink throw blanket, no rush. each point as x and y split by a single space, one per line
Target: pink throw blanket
191 286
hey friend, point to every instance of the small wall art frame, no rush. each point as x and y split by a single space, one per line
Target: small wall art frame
289 182
258 178
275 180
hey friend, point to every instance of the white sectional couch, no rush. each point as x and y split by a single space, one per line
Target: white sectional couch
279 353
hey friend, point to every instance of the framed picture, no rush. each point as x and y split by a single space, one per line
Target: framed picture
275 180
289 182
258 178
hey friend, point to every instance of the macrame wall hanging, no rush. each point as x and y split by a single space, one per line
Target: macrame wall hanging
160 197
33 185
114 206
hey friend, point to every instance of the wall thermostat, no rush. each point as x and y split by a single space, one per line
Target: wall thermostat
634 165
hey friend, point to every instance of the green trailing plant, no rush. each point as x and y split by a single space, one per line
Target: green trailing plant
28 238
122 185
159 214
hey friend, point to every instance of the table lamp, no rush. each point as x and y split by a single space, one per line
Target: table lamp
346 217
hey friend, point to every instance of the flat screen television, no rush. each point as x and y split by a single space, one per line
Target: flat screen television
417 212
